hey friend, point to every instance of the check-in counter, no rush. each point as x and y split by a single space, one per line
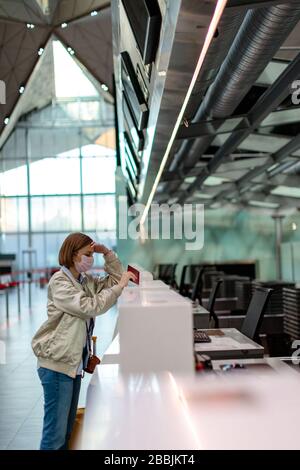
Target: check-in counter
234 410
156 331
147 395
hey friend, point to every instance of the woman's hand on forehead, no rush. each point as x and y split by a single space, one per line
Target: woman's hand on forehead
99 248
87 250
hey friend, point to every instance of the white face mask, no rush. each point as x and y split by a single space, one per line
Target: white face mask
85 264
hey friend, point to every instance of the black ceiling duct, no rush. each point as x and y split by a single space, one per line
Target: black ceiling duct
259 37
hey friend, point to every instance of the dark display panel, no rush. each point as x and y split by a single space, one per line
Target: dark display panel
145 21
134 94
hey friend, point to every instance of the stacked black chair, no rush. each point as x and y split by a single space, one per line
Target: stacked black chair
291 309
209 278
275 306
229 285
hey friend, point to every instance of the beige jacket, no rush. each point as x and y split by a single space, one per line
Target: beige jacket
59 342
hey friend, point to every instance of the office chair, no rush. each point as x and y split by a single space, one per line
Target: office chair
255 312
197 287
211 302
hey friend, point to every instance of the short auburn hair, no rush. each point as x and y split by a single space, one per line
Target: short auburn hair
73 243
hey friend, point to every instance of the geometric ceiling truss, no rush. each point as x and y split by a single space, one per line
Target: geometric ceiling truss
264 179
26 27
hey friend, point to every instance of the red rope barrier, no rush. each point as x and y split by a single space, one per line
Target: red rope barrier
42 270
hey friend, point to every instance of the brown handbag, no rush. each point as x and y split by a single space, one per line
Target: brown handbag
93 360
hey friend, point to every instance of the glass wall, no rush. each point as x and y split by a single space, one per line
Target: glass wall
62 195
57 172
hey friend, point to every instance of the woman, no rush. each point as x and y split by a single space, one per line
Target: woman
62 342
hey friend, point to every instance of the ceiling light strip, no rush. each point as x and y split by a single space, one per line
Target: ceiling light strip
210 33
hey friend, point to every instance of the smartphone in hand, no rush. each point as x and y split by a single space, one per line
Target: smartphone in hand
135 272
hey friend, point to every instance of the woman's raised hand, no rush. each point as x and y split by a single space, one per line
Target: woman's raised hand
125 278
98 248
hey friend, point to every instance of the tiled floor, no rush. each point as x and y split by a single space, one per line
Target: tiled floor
21 400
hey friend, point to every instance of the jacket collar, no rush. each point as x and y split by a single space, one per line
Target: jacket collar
82 278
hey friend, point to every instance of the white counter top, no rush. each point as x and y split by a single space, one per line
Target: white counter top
163 411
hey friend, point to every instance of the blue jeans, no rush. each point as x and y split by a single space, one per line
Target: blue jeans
61 394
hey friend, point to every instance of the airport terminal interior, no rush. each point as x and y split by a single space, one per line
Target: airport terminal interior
168 132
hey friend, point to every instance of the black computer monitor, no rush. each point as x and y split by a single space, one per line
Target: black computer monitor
255 312
197 287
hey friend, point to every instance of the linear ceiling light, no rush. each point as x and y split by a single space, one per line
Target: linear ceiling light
287 191
263 204
210 34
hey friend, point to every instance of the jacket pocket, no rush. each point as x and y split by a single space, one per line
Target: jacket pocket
68 342
62 327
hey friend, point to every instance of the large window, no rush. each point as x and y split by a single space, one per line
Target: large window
14 215
55 176
98 174
56 213
57 170
65 194
99 213
13 181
